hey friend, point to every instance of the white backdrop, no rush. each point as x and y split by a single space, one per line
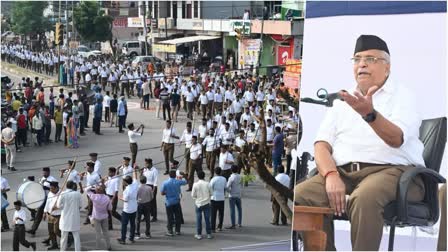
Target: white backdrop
417 45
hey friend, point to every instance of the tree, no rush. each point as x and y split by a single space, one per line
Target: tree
28 19
91 23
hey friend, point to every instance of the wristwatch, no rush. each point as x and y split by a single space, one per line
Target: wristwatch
370 117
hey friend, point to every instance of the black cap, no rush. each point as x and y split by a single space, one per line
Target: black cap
31 178
90 163
54 183
18 203
93 154
369 42
127 158
46 169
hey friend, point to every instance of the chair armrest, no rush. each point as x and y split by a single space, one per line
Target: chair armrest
430 180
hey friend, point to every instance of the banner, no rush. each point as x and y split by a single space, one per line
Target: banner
293 66
283 54
248 52
292 81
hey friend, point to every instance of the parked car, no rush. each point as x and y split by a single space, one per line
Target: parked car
134 48
145 60
85 52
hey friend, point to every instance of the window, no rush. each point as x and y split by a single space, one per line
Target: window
196 9
133 45
156 9
168 9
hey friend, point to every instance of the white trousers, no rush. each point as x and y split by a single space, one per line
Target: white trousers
64 240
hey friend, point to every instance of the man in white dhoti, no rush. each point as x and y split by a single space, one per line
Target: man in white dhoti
70 204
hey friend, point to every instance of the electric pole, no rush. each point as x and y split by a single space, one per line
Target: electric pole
257 71
145 32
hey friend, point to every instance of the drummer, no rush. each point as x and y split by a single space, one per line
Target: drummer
45 182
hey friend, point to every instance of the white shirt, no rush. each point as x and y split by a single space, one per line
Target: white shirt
260 95
130 197
97 167
93 179
112 185
19 214
283 179
210 95
51 202
4 184
247 117
126 171
73 176
218 97
106 101
211 143
203 98
195 151
227 137
133 136
152 176
186 137
46 181
223 157
201 193
240 142
270 133
353 140
249 96
166 135
202 131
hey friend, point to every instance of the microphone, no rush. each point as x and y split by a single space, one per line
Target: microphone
325 98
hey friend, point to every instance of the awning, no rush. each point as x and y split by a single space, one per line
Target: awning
187 40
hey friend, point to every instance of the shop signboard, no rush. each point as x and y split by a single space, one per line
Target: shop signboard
242 25
164 48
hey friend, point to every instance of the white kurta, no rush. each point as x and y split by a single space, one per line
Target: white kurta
70 203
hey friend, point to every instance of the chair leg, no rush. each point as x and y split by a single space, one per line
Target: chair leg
414 238
392 235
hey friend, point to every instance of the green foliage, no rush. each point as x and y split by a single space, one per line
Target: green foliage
247 178
28 19
91 23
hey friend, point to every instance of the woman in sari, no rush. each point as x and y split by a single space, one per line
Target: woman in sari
72 137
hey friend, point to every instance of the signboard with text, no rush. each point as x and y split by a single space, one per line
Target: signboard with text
164 48
243 25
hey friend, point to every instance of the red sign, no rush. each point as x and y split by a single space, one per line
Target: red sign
283 53
120 22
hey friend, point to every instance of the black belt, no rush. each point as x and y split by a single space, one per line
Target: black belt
56 216
357 166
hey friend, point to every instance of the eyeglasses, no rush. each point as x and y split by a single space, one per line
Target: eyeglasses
367 60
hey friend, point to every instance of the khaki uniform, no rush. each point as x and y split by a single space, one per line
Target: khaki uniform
370 190
441 244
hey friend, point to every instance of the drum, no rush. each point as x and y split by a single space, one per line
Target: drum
31 194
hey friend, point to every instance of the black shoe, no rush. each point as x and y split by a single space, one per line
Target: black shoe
46 242
31 232
166 173
121 241
53 247
86 222
33 245
13 169
274 223
189 190
231 227
154 220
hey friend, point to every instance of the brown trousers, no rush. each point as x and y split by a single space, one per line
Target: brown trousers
168 152
53 229
210 159
195 165
441 243
370 190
